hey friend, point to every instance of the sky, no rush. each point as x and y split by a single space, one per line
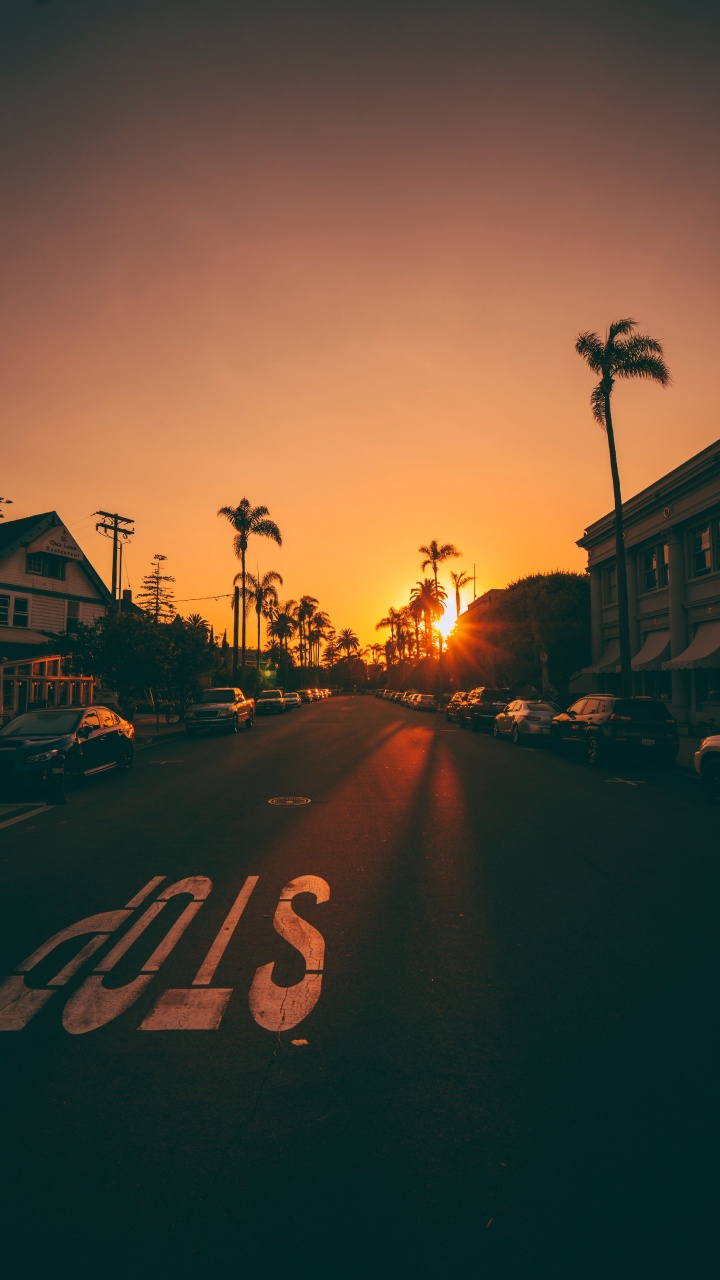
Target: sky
334 257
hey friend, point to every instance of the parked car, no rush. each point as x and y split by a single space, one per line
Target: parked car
408 696
481 706
271 702
292 700
58 747
601 725
426 702
452 710
707 765
304 695
525 719
225 708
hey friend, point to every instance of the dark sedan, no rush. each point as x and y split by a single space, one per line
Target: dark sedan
480 708
52 749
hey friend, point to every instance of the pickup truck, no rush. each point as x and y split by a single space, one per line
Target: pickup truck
226 709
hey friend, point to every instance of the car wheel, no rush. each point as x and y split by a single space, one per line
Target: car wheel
710 779
515 735
125 759
496 731
593 750
74 774
235 725
249 722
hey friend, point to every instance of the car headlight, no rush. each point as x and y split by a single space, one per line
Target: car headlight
40 757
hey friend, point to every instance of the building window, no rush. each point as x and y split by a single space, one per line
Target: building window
20 612
700 552
4 611
610 586
73 616
649 570
664 565
45 564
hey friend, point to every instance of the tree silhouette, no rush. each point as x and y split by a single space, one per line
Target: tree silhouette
435 555
262 597
459 580
623 354
248 521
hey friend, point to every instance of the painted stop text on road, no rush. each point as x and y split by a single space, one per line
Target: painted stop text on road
199 1007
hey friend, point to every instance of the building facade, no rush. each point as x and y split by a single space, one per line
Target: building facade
47 588
672 545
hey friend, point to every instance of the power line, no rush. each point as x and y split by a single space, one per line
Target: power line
116 531
224 595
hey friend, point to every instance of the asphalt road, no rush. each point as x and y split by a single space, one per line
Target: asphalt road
506 1056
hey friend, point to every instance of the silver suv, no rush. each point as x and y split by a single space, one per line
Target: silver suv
226 709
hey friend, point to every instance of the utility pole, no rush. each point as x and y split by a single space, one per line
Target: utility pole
474 591
115 530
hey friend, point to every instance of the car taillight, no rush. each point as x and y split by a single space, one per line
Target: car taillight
534 719
616 717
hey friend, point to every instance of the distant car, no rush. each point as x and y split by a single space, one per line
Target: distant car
707 765
59 747
304 695
426 702
387 694
379 693
407 697
481 706
292 700
524 718
600 726
452 710
223 708
271 702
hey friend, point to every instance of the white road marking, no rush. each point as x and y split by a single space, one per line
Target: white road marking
23 817
206 972
190 1009
628 782
280 1008
93 1005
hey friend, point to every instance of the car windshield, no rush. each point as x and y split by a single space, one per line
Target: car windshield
42 724
218 695
271 694
496 695
544 706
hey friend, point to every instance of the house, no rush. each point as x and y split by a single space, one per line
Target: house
47 587
672 546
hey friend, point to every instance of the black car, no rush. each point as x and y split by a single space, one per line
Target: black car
452 710
600 726
481 706
58 747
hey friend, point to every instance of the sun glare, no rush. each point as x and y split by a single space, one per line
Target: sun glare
447 623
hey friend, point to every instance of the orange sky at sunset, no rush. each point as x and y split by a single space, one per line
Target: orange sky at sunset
335 259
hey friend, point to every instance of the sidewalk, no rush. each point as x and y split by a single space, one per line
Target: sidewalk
147 731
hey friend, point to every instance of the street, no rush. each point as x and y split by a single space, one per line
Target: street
503 1054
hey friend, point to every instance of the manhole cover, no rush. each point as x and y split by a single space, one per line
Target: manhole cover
289 800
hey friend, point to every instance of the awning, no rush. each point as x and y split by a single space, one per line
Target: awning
610 660
653 653
703 650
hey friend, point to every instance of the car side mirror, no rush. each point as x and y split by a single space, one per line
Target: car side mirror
84 731
570 713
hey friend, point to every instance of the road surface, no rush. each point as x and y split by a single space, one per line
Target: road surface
493 1052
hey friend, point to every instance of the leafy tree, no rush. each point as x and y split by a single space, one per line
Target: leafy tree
155 597
247 521
623 354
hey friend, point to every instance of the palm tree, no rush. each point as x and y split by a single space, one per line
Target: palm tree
375 650
319 626
198 623
459 580
623 354
391 621
431 598
347 640
262 596
246 521
435 555
283 623
305 611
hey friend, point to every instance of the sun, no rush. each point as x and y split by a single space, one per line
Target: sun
447 623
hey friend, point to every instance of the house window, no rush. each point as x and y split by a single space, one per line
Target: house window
73 616
649 570
20 612
610 586
700 551
45 564
4 611
664 565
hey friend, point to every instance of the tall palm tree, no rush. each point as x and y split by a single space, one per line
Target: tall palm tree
246 521
391 621
459 580
262 596
375 650
347 640
198 623
623 354
283 623
431 598
319 627
305 610
435 555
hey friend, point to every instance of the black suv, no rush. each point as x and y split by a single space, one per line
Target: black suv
452 710
600 725
480 708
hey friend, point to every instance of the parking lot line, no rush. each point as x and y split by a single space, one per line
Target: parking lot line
21 817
